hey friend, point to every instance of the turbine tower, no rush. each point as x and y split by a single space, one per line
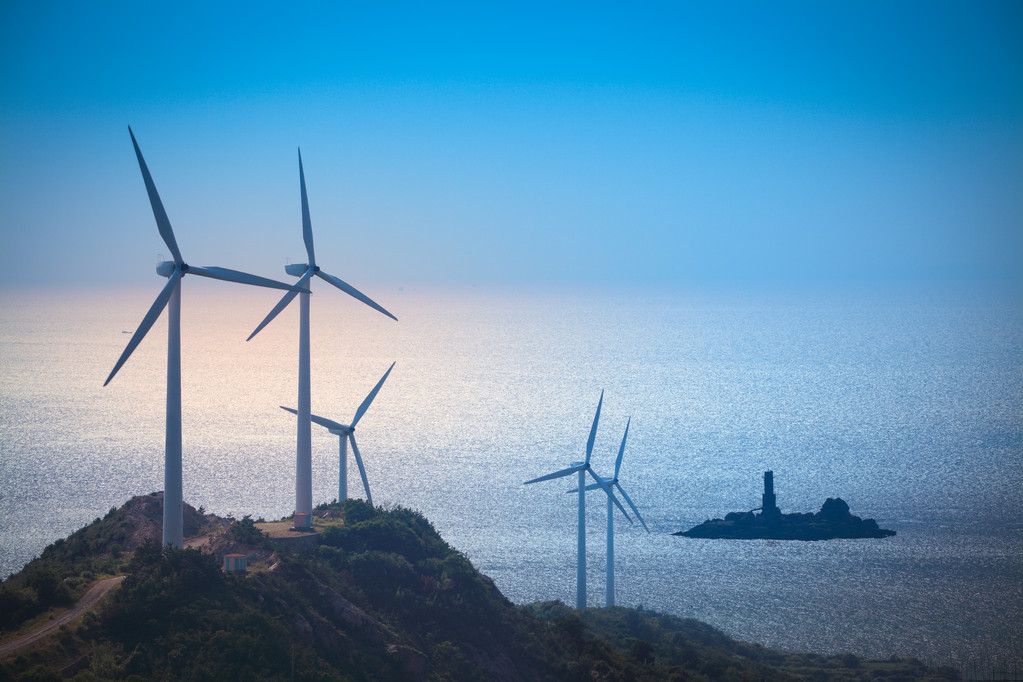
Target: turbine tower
347 433
173 531
610 484
581 468
305 271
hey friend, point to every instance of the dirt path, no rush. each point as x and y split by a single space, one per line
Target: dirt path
95 593
198 542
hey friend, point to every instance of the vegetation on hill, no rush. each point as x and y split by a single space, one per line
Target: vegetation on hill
67 567
383 597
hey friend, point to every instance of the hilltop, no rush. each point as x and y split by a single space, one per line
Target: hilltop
383 597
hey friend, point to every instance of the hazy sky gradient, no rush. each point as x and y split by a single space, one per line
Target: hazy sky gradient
659 143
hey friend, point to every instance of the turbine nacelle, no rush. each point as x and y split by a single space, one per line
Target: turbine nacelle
342 432
296 269
166 268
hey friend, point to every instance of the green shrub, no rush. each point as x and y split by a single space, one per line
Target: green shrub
335 536
245 532
382 571
356 511
49 588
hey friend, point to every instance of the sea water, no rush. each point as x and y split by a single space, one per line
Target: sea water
907 405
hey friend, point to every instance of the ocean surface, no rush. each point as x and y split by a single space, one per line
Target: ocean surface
907 405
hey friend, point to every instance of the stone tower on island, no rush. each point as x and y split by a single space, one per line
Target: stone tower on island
769 510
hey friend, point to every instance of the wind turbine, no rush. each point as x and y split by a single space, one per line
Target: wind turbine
609 485
347 433
582 468
305 271
173 532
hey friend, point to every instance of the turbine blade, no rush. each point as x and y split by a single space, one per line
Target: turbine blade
592 486
629 500
162 221
322 421
354 293
609 492
593 429
283 303
240 277
369 399
147 322
362 469
621 450
557 474
307 224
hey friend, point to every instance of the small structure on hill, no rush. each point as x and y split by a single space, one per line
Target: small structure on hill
832 521
236 563
303 521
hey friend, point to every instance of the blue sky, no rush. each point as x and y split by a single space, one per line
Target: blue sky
518 144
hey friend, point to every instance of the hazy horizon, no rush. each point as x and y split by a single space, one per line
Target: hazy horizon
739 145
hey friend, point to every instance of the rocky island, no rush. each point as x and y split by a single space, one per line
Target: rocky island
832 521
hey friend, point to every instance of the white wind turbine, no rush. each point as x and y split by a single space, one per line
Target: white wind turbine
347 433
582 468
173 531
610 484
305 271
